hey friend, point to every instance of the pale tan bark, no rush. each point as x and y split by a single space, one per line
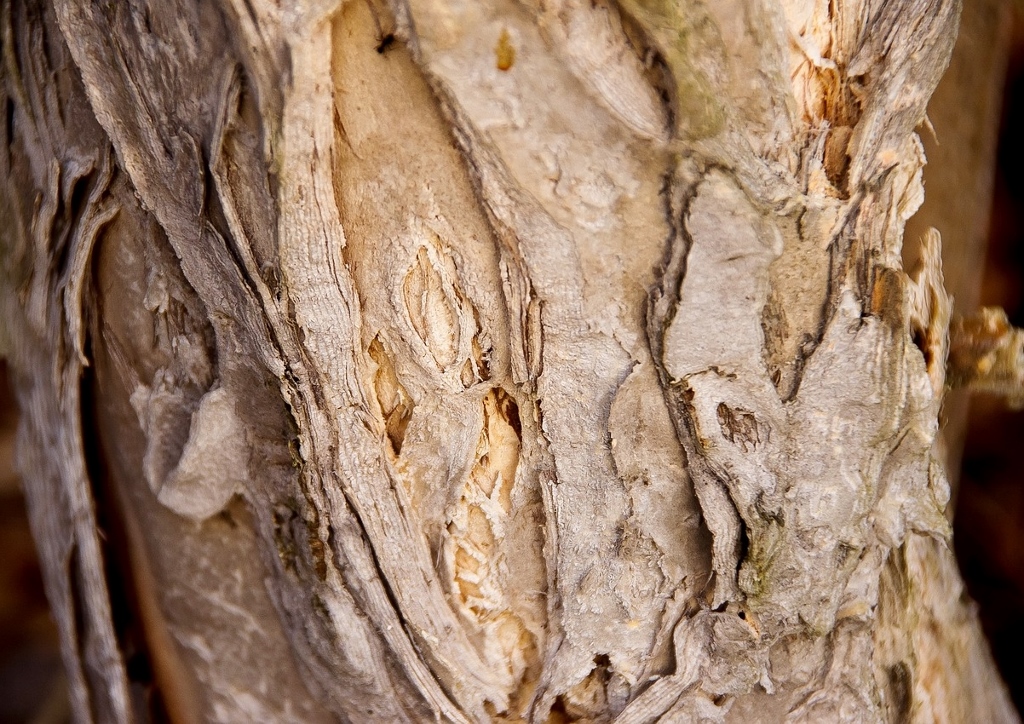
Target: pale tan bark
492 361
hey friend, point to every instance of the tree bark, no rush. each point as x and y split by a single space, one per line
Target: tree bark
499 361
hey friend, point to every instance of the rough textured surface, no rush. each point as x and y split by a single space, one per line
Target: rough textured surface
487 361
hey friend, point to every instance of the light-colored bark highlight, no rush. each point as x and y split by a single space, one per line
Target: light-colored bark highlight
491 361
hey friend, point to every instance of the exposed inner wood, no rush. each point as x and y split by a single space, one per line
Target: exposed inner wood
493 361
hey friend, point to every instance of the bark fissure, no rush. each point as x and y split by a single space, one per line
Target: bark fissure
490 362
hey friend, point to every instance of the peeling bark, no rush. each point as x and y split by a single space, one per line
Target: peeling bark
501 361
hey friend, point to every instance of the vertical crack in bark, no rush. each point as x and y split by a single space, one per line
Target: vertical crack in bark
544 238
129 626
719 512
49 320
443 332
436 421
395 403
477 544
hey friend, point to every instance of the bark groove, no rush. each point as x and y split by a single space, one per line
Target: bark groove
497 361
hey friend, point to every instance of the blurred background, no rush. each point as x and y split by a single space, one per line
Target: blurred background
989 512
989 516
31 680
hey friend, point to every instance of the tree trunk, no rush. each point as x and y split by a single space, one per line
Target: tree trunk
494 361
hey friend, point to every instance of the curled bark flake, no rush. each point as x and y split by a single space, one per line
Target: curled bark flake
986 353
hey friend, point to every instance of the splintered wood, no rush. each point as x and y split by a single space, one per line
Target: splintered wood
492 361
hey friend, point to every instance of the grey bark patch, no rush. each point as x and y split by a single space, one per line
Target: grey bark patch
214 462
298 227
